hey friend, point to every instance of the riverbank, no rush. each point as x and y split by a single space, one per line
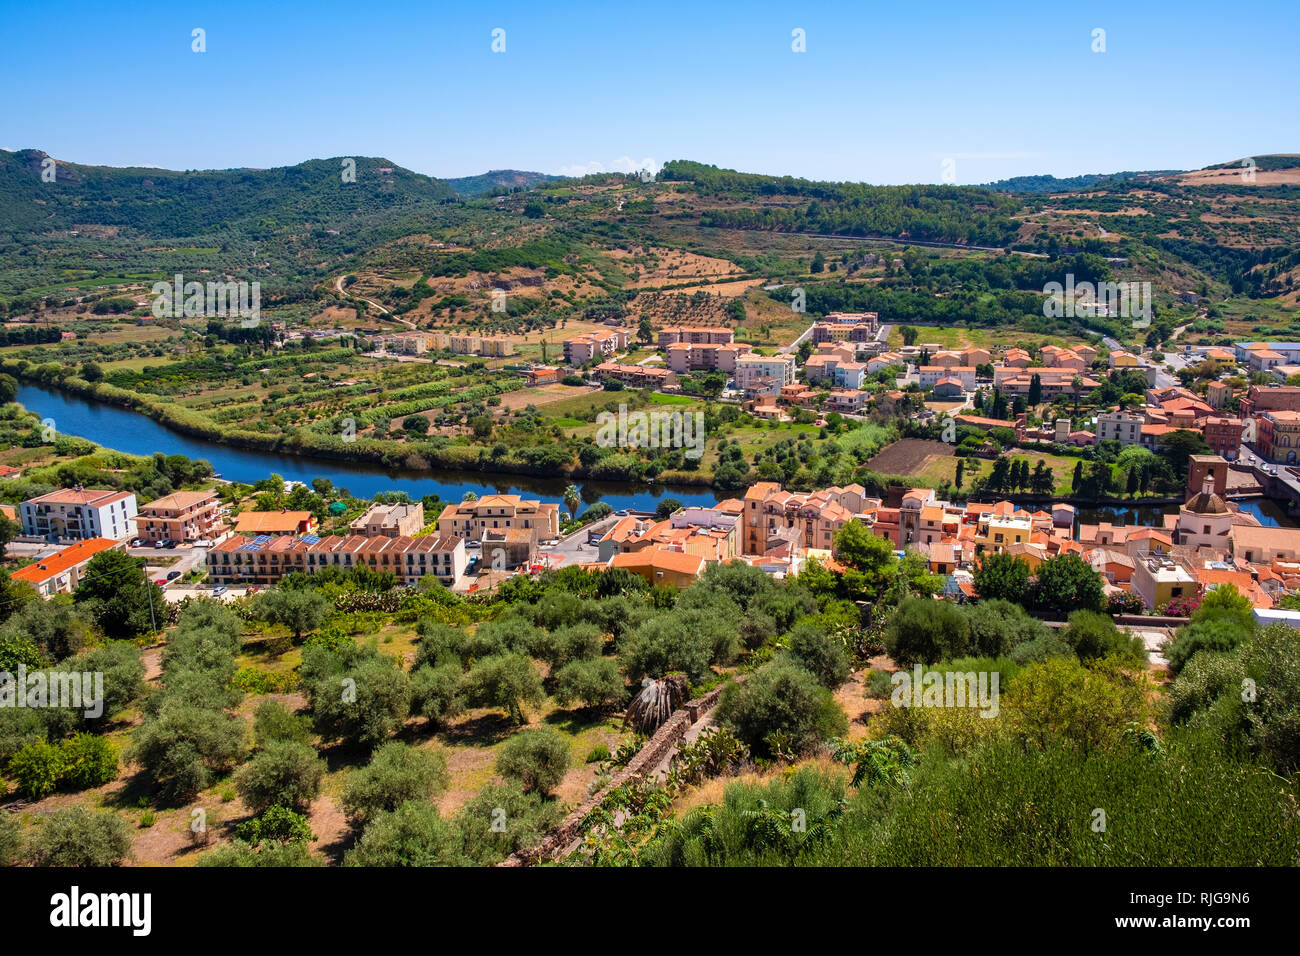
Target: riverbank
131 432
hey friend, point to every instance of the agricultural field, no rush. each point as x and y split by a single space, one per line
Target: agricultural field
915 456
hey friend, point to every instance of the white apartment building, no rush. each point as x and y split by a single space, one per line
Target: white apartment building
78 514
1123 427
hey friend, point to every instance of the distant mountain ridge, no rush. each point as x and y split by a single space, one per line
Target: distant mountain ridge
1051 184
498 180
171 203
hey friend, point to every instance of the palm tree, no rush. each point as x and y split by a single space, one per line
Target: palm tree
571 500
656 702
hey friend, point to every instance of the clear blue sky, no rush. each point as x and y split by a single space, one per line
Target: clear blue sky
884 93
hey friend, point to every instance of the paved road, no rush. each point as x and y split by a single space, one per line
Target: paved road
574 549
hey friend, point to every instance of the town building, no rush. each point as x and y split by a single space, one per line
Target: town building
77 514
695 336
1123 427
263 560
472 519
773 370
62 571
181 516
1277 435
390 521
601 344
275 522
636 376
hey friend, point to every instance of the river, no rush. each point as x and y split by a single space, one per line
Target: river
129 431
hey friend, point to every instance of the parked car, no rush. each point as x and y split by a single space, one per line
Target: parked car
161 582
133 543
173 575
164 543
218 591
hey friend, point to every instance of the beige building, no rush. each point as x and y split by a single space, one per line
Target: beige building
472 519
183 516
581 349
390 521
241 560
709 335
1157 580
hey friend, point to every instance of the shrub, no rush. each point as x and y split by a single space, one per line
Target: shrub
1062 703
880 685
11 839
273 721
284 772
75 836
687 641
37 769
535 759
88 761
439 644
438 693
781 697
412 835
503 819
362 706
596 683
277 824
1272 660
1093 635
597 754
925 631
269 854
1214 634
997 627
183 749
397 773
820 653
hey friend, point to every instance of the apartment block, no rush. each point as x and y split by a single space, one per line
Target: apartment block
771 369
183 516
685 357
636 376
603 344
263 560
1123 427
709 335
79 514
472 519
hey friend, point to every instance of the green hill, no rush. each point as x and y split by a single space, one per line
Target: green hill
498 181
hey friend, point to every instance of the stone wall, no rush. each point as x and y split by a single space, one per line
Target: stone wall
655 750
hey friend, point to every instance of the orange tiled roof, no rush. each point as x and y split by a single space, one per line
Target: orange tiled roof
61 561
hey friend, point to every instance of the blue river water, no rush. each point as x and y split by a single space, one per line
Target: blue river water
129 431
137 434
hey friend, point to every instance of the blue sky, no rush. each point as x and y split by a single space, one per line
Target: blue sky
885 92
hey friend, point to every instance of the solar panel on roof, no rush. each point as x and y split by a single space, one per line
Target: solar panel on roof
311 538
